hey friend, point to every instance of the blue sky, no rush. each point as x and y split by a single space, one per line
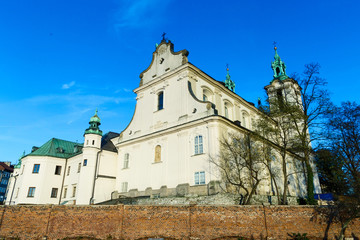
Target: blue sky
60 60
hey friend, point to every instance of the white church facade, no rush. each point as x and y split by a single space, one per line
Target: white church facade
181 115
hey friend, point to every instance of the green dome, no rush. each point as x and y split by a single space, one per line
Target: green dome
95 118
94 125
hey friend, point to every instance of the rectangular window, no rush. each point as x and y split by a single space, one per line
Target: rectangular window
161 100
17 192
65 192
126 161
74 191
79 167
22 171
54 192
124 186
57 170
68 171
198 145
85 162
36 168
31 192
199 178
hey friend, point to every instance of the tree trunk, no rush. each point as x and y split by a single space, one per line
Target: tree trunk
343 228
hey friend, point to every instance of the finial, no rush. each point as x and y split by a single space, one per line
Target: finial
227 67
163 37
274 43
96 111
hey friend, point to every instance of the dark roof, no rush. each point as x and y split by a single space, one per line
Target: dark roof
106 143
4 166
57 148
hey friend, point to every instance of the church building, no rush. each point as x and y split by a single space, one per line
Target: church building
180 117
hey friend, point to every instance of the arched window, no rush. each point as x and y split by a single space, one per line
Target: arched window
158 154
207 94
199 145
126 161
160 100
245 119
226 111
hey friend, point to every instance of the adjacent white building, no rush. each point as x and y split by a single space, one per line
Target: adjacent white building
180 116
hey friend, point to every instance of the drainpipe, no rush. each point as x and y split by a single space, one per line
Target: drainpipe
62 184
93 189
12 192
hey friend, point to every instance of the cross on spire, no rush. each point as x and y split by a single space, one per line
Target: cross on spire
163 36
275 43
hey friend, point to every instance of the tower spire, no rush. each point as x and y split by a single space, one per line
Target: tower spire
278 66
230 84
94 125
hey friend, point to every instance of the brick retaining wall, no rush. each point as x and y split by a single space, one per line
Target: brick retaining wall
169 222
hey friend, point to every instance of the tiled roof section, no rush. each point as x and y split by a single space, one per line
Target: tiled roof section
58 148
106 143
4 166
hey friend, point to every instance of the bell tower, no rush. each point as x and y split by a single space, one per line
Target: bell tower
282 89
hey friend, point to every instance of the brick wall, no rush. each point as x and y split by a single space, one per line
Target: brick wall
169 222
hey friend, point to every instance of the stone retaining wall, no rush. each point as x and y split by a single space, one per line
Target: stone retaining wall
168 222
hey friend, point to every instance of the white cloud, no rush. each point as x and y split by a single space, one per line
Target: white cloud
68 85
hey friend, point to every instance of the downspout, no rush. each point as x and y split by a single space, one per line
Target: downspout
12 192
93 189
63 180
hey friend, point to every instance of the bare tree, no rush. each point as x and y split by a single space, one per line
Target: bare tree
241 166
275 127
343 140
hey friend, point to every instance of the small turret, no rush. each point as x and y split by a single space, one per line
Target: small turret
18 165
230 84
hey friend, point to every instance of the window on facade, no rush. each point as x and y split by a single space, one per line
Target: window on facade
160 101
199 178
85 162
36 168
205 98
198 145
65 192
79 167
126 161
68 171
74 191
17 192
54 192
31 192
124 186
158 153
226 112
93 142
57 170
87 142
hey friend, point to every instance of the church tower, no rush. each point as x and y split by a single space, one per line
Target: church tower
87 168
282 89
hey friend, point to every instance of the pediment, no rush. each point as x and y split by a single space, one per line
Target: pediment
164 60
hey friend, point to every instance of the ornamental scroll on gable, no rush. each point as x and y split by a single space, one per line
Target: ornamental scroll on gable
164 60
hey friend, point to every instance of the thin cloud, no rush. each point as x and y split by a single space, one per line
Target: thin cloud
68 85
138 13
